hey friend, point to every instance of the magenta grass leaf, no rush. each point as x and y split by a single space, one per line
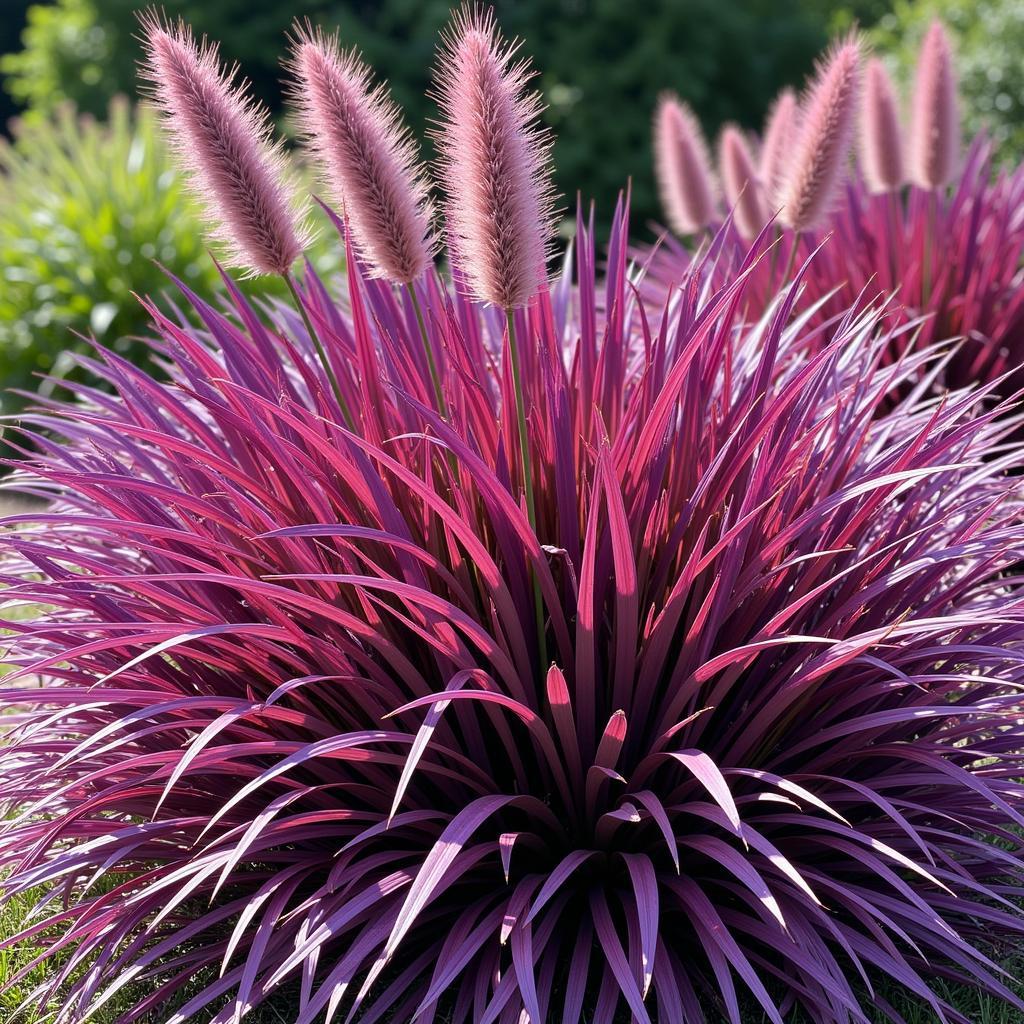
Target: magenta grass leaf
282 722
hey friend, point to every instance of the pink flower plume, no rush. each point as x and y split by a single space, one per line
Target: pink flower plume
780 131
828 113
740 182
935 125
369 160
223 138
880 136
494 161
682 166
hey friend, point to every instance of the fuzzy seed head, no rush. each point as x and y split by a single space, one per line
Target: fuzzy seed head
682 166
780 131
828 113
494 161
880 136
369 161
935 124
224 140
741 184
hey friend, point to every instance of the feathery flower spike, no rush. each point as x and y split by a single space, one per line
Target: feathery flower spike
367 156
779 133
935 124
740 182
880 138
495 162
682 166
828 112
223 138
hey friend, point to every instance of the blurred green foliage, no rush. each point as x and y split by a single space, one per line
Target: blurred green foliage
88 209
85 209
989 40
603 62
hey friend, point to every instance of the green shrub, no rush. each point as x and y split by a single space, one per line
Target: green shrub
989 37
68 55
86 209
89 211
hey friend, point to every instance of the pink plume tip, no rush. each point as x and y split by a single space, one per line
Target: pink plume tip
779 135
880 138
682 166
495 162
935 126
827 116
740 182
368 158
223 139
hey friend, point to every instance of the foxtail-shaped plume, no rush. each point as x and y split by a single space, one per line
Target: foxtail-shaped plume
368 159
224 140
779 135
682 166
935 124
880 139
827 117
495 161
740 182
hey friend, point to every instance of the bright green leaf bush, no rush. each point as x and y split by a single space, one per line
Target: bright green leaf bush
86 210
89 212
68 55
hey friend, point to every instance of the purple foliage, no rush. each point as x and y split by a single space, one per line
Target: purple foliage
287 698
951 261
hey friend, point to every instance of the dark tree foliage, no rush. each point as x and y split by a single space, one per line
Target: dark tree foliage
604 61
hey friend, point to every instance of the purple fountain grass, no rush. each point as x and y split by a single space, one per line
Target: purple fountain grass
881 138
883 244
827 117
682 166
494 162
369 160
952 261
289 707
741 183
285 721
223 138
780 133
935 124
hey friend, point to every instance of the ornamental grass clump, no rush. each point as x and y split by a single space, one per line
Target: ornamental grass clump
949 246
286 718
